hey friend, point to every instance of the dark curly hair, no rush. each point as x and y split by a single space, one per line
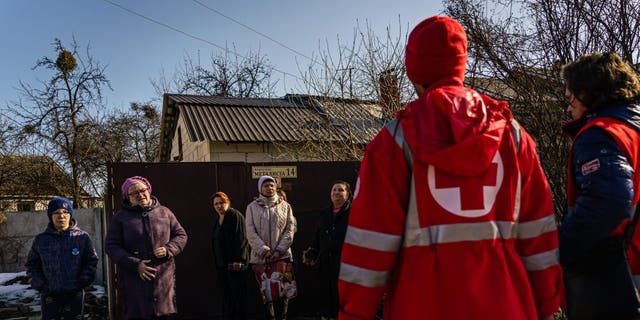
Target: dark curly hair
600 79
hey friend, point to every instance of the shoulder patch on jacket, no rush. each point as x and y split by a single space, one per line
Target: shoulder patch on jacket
590 167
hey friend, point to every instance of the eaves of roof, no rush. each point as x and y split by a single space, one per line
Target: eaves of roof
293 118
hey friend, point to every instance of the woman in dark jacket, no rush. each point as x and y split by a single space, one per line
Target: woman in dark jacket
229 244
326 247
603 96
143 239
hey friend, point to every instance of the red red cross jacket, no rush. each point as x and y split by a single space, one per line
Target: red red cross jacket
462 227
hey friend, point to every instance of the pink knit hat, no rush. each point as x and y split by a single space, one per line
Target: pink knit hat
129 181
436 49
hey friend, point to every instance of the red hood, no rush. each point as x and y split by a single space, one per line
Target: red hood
455 129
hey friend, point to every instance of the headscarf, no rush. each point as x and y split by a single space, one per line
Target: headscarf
129 181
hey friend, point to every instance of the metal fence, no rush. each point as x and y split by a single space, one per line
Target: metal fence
185 189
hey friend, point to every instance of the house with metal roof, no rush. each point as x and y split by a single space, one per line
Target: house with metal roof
290 128
27 183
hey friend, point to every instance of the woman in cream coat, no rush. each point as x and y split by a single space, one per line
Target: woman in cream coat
270 229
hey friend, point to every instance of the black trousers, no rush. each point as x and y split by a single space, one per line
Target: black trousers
165 317
64 306
276 310
234 294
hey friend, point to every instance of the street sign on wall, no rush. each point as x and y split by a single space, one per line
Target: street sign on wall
285 172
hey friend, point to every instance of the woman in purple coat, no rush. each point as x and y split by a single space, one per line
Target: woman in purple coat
143 239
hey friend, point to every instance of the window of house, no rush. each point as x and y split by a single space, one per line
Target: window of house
26 206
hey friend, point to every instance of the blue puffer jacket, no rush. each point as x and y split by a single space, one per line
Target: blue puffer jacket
603 176
62 261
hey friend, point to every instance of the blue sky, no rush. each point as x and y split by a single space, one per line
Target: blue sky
136 50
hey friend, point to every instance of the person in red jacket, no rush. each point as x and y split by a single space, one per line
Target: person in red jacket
456 220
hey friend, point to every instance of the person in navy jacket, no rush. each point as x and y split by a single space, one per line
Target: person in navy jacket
62 262
602 93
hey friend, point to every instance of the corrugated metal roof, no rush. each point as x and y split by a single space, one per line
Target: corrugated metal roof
228 101
290 119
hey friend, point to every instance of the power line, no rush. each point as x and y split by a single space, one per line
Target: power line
189 35
258 32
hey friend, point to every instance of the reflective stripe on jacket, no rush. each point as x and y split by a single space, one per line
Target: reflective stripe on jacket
449 241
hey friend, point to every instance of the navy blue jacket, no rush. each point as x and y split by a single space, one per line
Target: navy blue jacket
603 175
62 261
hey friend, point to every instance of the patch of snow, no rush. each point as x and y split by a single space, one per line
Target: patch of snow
25 298
4 277
99 292
19 291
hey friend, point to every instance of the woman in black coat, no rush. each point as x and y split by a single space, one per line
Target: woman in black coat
230 253
326 248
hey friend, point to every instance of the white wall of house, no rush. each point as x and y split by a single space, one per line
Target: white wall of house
251 153
241 152
184 150
195 152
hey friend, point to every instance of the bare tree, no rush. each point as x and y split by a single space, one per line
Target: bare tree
11 136
354 88
11 139
133 135
123 136
225 75
335 129
353 69
517 48
57 112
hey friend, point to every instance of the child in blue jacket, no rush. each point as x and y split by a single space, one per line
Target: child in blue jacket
62 262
